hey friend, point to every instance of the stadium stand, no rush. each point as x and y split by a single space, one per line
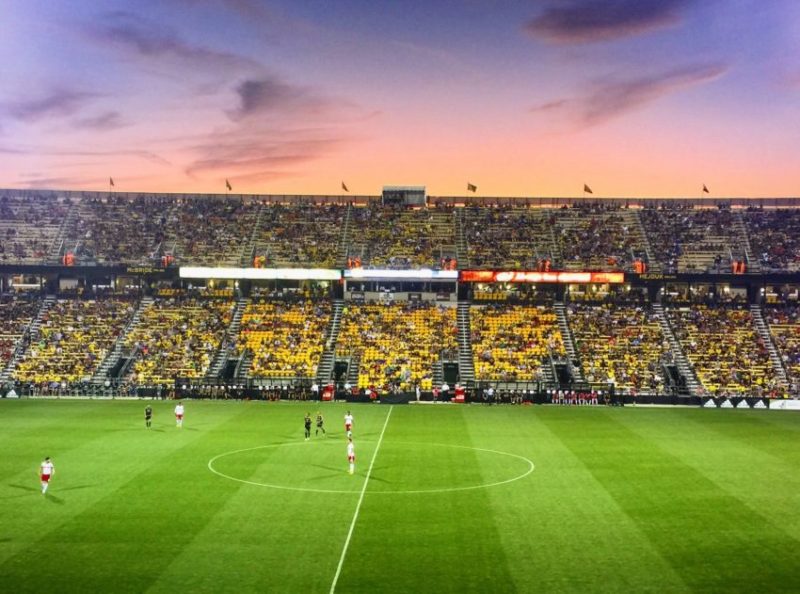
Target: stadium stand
397 343
775 238
724 348
511 342
693 240
620 343
16 314
401 238
513 238
177 338
286 338
297 235
72 340
784 325
28 228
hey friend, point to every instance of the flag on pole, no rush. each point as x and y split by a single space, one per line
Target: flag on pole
705 189
471 187
111 181
587 189
228 185
344 187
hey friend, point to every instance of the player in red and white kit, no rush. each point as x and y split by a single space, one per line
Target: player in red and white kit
179 414
46 471
351 454
348 424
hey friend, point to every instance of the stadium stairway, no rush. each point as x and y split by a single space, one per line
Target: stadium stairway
113 357
231 334
328 359
33 333
466 365
344 241
56 249
569 340
692 382
632 218
774 356
753 265
461 242
352 369
248 249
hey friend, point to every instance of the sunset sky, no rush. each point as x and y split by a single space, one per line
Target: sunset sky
520 98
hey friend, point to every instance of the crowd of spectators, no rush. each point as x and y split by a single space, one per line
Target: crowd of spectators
285 338
398 343
401 238
722 344
28 228
775 238
619 344
784 325
178 338
16 313
300 235
598 240
512 342
692 240
74 337
509 238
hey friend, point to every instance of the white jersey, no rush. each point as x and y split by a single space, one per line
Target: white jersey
179 409
351 450
47 468
348 419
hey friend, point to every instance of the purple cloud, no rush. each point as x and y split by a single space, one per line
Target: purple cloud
149 39
109 120
56 103
610 99
269 95
587 21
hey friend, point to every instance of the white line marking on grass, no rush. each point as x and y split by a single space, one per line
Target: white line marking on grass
531 468
360 500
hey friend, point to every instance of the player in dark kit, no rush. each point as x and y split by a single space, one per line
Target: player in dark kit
319 424
308 426
148 416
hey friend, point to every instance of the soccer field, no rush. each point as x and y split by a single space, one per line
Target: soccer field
444 499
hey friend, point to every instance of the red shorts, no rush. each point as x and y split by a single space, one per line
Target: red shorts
45 478
351 458
179 417
347 426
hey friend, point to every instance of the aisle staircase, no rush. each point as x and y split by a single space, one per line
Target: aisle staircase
118 350
231 334
753 263
774 356
466 364
33 334
328 359
679 357
569 341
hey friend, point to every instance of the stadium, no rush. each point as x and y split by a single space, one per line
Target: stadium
365 297
283 305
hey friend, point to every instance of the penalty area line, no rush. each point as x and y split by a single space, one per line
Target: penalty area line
358 505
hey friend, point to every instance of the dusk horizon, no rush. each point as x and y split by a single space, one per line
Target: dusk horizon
636 99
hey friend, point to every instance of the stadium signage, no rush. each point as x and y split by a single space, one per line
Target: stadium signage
421 274
145 270
658 276
207 272
520 276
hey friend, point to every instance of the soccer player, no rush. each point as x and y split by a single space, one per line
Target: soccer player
307 421
46 470
148 416
351 454
348 424
179 414
320 422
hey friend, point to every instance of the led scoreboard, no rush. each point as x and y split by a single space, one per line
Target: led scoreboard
526 276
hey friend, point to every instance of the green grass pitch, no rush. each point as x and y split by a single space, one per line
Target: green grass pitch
459 499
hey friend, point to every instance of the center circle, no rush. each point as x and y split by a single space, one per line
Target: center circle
315 463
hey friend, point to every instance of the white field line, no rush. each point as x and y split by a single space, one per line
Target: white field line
360 500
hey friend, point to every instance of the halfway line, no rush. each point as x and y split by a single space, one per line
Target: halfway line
358 507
